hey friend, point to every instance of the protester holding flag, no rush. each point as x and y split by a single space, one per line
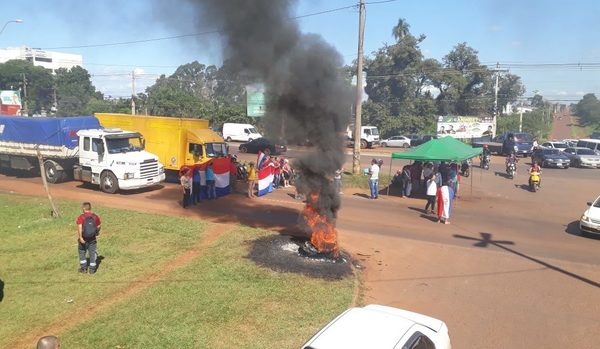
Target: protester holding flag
445 196
210 181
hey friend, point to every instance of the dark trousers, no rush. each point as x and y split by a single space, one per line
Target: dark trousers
212 190
186 198
430 202
196 193
90 248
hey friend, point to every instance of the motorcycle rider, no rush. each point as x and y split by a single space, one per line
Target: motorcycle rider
486 154
511 159
535 168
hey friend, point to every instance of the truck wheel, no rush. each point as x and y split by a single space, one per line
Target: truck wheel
109 183
243 149
363 144
228 139
384 144
52 173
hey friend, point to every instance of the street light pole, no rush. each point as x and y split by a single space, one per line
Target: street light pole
13 21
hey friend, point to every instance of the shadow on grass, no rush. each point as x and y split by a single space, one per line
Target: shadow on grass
1 290
486 240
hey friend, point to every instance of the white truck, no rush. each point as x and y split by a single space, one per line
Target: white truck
78 148
239 132
369 136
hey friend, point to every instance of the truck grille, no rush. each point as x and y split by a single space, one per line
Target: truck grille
149 168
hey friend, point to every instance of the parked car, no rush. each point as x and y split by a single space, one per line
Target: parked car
422 139
556 145
396 141
519 142
590 220
582 157
550 157
593 144
595 135
570 142
381 327
263 145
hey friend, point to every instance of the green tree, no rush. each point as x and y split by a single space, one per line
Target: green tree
74 90
39 84
588 109
398 78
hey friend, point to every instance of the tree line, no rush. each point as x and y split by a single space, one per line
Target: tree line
588 110
406 91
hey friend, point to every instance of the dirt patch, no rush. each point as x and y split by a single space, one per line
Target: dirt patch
280 253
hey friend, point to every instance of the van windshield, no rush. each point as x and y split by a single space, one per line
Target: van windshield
252 130
214 150
523 137
374 131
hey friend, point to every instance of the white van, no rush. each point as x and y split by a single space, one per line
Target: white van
239 132
593 144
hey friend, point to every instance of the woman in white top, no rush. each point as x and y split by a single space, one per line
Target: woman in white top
431 192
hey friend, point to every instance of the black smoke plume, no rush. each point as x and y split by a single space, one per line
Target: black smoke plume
310 101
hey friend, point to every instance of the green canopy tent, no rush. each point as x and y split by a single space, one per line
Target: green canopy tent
443 149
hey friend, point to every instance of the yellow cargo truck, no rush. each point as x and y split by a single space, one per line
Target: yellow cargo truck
177 142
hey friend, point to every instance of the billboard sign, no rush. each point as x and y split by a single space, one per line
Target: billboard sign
10 102
465 126
255 100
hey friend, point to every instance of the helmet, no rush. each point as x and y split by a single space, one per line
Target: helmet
535 162
485 145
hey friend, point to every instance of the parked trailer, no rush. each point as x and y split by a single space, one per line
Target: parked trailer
78 148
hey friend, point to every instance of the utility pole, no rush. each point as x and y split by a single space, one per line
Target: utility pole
133 92
359 91
25 111
496 111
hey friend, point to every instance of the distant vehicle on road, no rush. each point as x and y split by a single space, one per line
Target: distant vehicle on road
239 132
422 139
593 144
582 157
550 157
595 135
590 220
264 145
396 141
519 142
381 327
555 145
369 136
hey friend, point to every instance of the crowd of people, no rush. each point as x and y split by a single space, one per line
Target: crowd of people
434 180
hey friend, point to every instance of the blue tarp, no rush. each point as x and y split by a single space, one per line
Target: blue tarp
45 130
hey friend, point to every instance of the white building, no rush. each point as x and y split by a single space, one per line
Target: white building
47 59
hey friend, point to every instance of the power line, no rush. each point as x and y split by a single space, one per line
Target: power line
209 32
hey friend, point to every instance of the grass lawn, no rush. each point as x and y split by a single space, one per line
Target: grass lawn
361 181
578 131
220 299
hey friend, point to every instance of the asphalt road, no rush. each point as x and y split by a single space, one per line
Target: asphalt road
510 271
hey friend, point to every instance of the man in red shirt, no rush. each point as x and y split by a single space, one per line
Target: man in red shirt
88 227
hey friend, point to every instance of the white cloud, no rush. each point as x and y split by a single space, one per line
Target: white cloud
494 28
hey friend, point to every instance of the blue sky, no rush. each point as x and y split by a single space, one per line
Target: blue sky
510 32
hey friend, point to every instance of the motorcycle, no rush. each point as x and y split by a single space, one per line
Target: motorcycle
485 161
465 168
511 170
242 171
534 181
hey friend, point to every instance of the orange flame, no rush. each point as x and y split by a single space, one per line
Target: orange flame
323 234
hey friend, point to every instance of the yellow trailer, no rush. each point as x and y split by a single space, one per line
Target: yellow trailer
177 142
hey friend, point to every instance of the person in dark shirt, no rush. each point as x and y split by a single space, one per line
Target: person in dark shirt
87 244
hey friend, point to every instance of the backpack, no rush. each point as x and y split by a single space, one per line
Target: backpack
89 228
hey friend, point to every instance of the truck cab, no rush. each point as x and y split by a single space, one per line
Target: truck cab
369 135
116 159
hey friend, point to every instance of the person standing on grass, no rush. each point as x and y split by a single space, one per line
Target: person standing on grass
431 192
211 181
186 186
337 181
196 186
252 178
88 228
374 179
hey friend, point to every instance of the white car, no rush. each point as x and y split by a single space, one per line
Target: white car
590 220
381 327
555 145
396 141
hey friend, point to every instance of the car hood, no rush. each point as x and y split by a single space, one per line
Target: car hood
589 157
593 212
556 157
